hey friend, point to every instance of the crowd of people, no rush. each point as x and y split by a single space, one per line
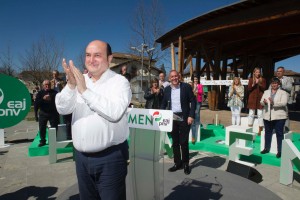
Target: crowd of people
93 104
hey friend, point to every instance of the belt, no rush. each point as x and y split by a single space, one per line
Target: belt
178 113
107 150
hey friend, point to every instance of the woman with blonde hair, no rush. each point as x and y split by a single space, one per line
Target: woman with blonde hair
256 88
235 102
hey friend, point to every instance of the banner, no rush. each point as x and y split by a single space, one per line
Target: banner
151 119
221 82
15 101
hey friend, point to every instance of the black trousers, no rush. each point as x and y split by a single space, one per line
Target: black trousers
44 117
180 138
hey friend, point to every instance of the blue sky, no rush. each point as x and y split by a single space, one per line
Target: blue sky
77 22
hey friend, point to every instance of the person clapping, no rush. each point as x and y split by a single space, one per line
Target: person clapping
274 102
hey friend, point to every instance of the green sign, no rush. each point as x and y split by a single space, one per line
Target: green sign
15 101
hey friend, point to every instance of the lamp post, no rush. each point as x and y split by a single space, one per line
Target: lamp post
143 46
149 51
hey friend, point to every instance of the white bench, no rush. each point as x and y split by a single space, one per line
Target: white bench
57 142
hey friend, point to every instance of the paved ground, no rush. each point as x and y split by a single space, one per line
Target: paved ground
22 177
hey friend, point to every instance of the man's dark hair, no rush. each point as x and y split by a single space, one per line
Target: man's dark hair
108 49
276 80
280 67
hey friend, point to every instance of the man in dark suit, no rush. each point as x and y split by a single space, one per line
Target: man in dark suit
179 98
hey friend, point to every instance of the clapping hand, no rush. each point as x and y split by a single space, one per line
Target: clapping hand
234 91
271 101
47 97
265 101
71 78
75 77
79 78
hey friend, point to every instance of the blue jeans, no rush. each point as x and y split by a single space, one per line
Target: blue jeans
197 120
102 175
278 125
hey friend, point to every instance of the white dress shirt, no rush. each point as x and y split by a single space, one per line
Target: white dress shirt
99 114
175 99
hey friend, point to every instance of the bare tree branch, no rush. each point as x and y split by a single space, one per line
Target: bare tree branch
147 25
42 58
80 60
6 63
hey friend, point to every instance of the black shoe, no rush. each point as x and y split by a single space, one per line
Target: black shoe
278 155
265 151
175 168
187 169
41 144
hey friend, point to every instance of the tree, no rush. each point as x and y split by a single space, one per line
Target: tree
147 25
80 60
6 63
42 58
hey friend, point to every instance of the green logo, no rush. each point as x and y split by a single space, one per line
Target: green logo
15 101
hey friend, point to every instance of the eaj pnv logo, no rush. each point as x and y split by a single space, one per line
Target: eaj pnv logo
1 96
15 101
157 116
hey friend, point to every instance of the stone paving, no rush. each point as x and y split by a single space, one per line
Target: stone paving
23 177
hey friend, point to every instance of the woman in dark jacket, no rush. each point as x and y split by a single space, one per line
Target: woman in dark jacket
154 95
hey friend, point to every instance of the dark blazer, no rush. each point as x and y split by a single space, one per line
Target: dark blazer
187 100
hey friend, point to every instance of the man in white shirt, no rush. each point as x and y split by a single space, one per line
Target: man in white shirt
98 101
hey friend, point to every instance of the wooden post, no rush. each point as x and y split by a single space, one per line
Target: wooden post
180 54
189 62
235 67
223 77
198 64
191 66
173 56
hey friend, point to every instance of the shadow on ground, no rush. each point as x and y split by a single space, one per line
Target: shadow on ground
213 162
191 189
20 141
3 152
39 193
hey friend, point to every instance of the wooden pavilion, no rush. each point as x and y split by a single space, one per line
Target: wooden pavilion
249 34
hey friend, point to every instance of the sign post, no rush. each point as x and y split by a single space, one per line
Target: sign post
148 128
15 102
